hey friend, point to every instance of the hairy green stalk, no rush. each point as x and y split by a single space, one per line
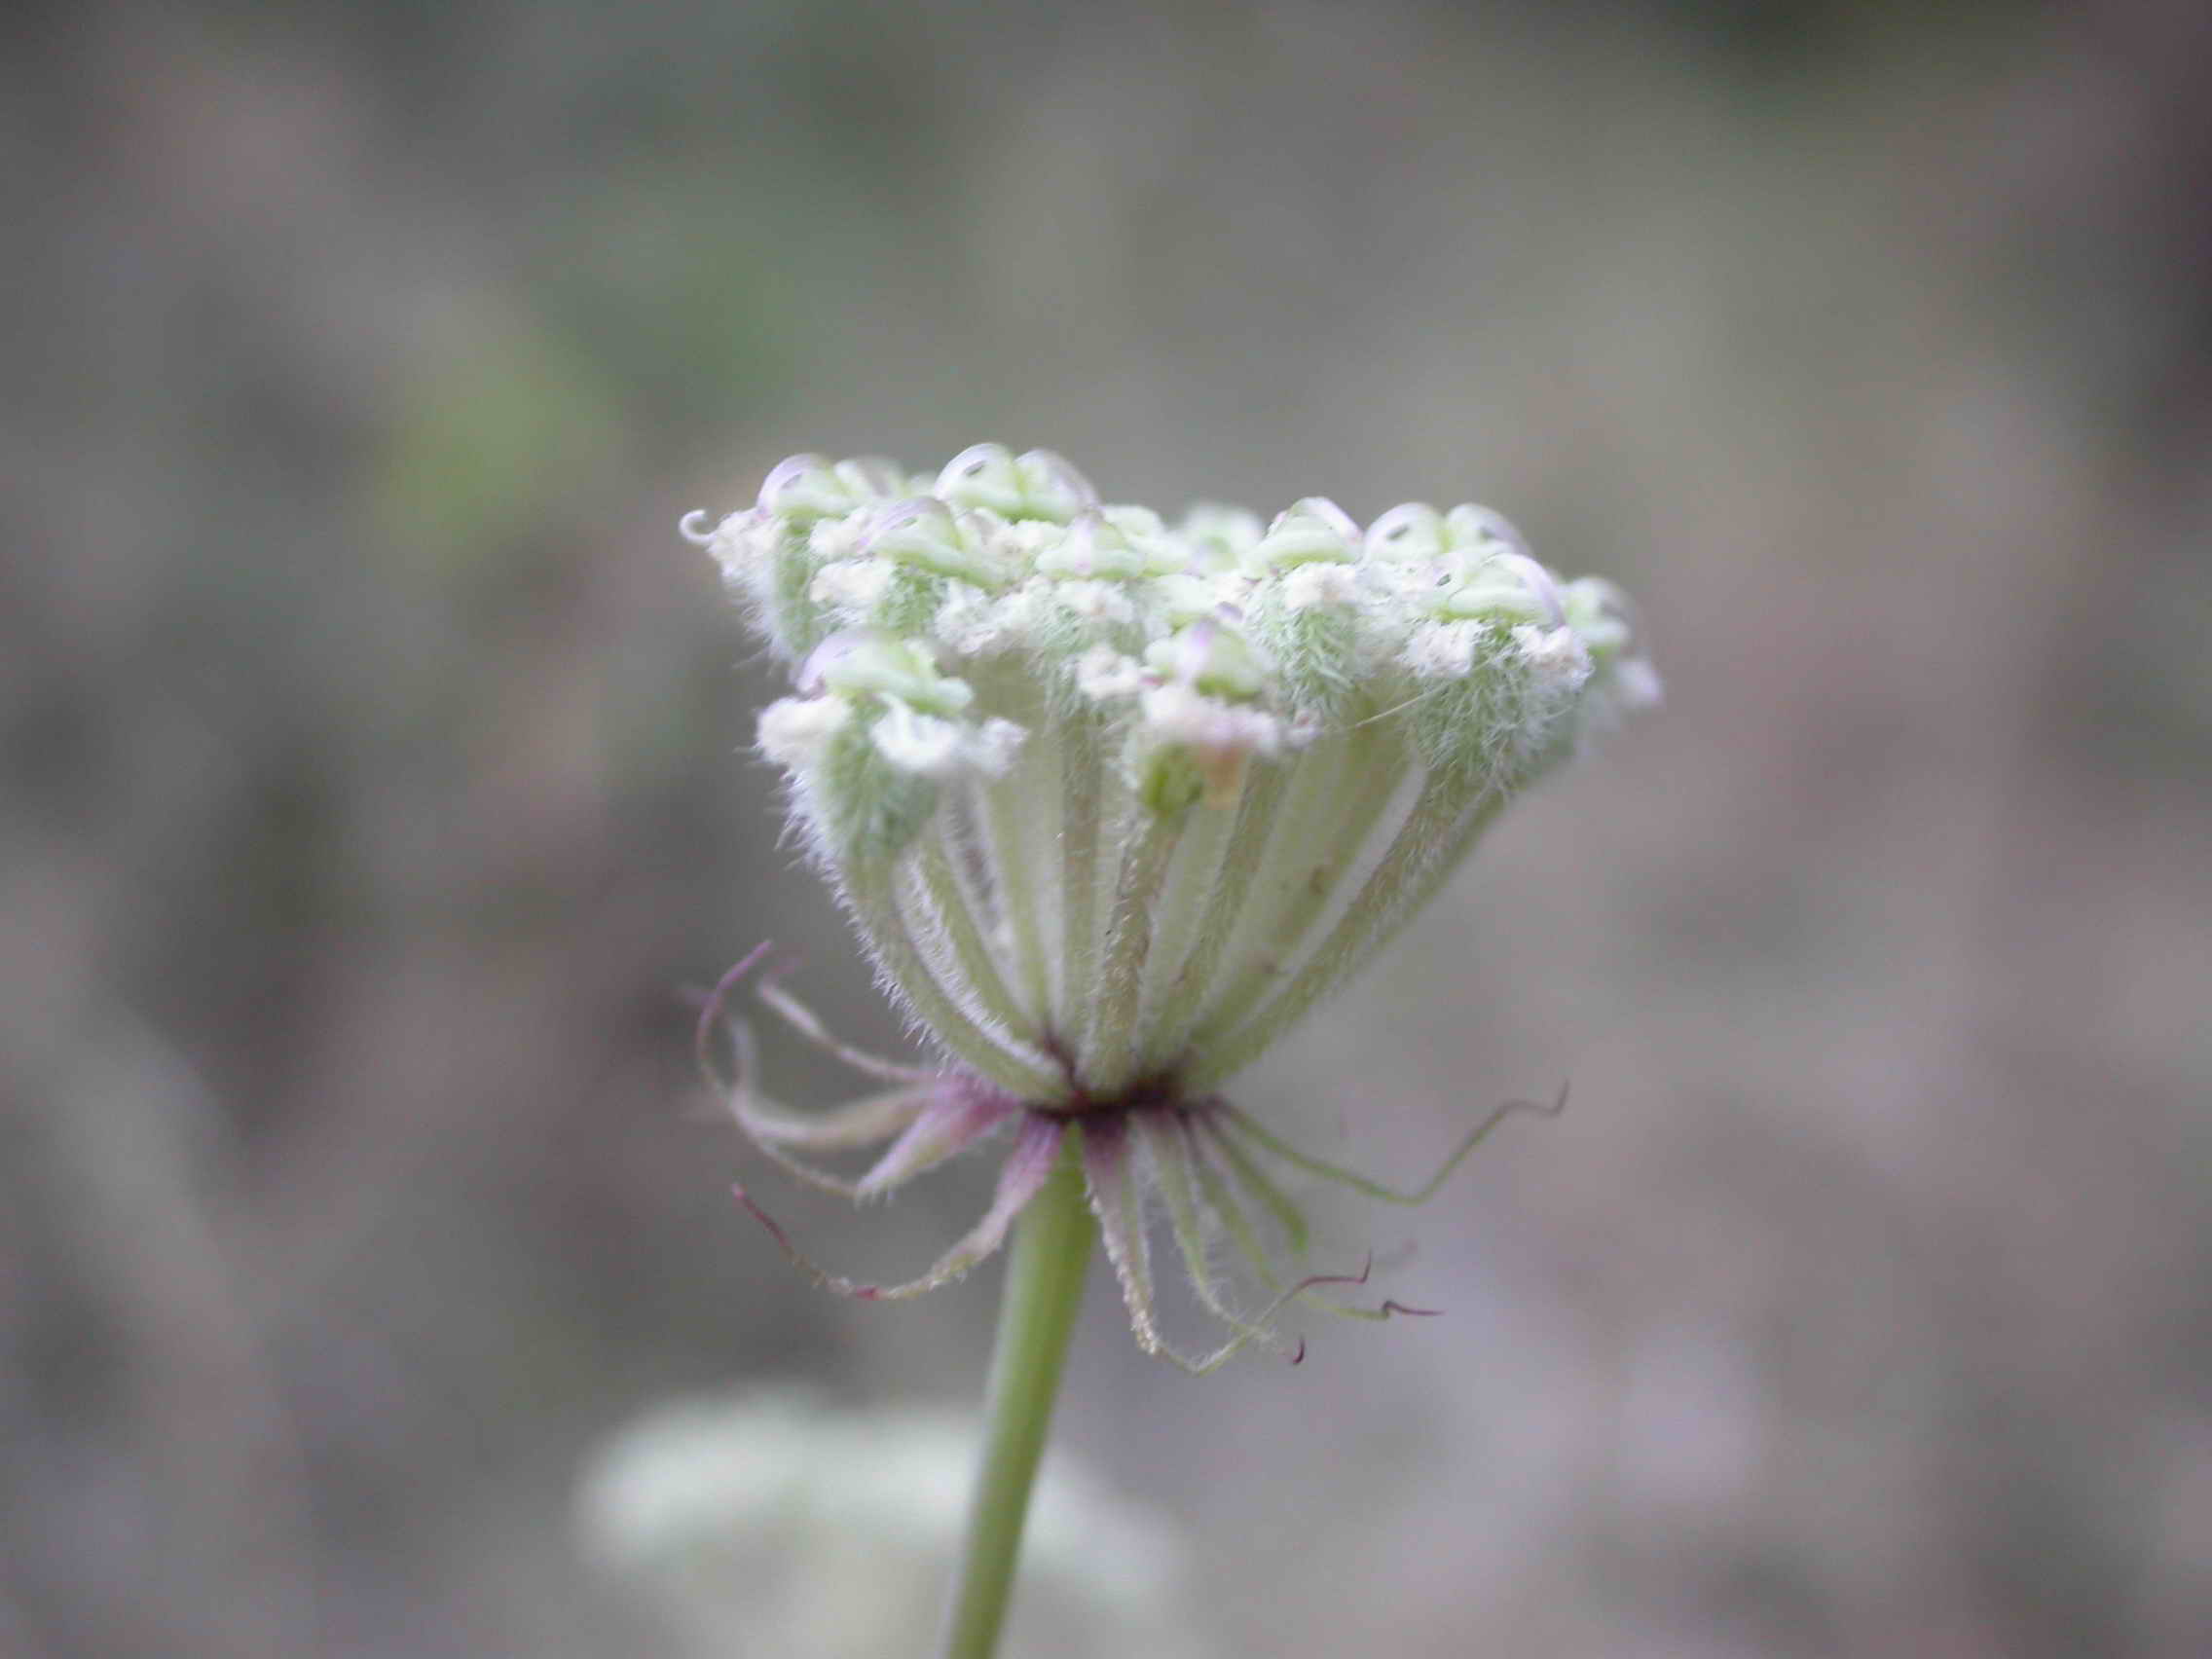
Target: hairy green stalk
1044 1288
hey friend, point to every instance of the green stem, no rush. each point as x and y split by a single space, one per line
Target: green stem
1044 1287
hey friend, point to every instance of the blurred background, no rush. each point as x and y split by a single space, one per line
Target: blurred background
374 777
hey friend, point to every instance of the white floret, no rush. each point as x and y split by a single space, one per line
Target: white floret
1556 657
1102 673
973 623
795 731
851 584
1095 601
1178 714
928 745
742 546
1443 650
833 538
1308 587
931 746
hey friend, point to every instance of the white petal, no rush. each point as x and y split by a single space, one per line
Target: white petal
795 731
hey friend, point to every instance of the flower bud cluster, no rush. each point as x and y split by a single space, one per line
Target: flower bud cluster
1070 678
1114 802
1203 646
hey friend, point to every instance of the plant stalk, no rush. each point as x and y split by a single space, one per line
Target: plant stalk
1053 1243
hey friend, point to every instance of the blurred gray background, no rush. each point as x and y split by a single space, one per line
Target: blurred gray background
373 777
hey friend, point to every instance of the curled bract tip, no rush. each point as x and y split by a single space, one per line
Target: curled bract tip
1197 1161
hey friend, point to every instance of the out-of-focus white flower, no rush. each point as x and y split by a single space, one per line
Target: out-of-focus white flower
750 1520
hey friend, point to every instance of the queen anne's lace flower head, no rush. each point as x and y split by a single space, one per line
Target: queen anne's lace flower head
1114 802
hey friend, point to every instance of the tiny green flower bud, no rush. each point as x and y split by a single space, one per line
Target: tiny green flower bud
1313 528
855 664
1477 529
1053 488
1095 549
805 487
1599 613
1623 680
1306 609
873 478
1220 537
1214 658
1038 484
925 534
1405 534
983 475
1184 597
1506 587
